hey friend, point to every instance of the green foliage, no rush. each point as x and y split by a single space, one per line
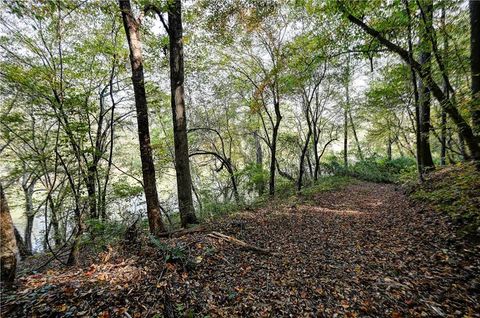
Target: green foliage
255 176
176 254
100 234
374 169
454 191
327 183
124 189
215 209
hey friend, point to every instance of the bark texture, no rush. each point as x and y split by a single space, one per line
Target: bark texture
424 90
182 163
131 26
8 246
475 62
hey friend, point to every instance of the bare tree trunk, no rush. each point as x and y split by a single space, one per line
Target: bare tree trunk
425 99
57 236
359 149
475 63
413 78
443 122
306 104
131 26
197 196
22 249
8 246
234 183
389 148
259 161
309 164
273 148
28 188
302 158
316 140
92 190
345 126
182 163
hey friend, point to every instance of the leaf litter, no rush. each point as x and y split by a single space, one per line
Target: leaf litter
362 251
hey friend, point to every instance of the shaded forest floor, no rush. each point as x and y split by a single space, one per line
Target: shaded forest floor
361 251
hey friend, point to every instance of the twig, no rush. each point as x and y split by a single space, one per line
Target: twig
243 244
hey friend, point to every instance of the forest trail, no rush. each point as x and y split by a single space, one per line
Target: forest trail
362 251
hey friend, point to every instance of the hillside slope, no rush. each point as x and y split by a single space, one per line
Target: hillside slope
362 251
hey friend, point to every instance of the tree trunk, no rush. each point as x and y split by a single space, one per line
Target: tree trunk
359 149
475 63
8 246
273 148
450 108
92 190
425 99
148 170
182 163
389 149
22 249
307 109
234 182
443 121
309 164
259 161
413 78
345 124
316 139
74 255
273 159
57 236
28 188
302 158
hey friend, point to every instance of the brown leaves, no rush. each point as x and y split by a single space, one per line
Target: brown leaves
361 251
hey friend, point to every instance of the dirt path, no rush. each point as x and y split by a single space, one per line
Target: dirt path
363 251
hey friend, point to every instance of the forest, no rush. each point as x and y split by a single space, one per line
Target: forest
240 158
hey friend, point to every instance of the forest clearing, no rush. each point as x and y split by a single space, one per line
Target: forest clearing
240 158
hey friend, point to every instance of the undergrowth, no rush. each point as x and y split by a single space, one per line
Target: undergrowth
375 169
453 190
285 192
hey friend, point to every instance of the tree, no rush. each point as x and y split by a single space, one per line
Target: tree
177 74
8 246
425 159
465 130
132 31
474 6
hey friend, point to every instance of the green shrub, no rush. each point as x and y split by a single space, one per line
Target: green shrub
99 234
327 183
176 254
374 169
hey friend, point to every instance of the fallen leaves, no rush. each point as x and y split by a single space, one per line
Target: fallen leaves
363 251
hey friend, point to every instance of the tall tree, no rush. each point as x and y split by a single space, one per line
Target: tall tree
177 74
132 31
346 109
465 130
424 90
443 119
8 245
475 62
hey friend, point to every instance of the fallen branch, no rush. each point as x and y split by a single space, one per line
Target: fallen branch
182 232
243 244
